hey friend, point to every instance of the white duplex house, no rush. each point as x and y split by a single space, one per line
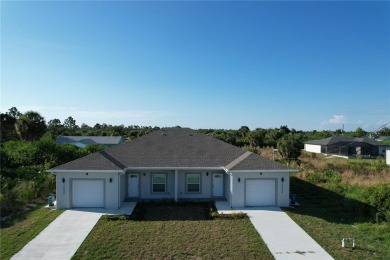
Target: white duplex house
172 164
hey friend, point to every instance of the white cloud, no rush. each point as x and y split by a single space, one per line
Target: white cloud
336 119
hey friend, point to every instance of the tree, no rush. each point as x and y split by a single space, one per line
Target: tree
243 131
14 112
55 127
359 132
7 125
30 126
256 137
284 130
70 125
289 147
385 131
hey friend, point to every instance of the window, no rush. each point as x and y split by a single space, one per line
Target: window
193 182
159 182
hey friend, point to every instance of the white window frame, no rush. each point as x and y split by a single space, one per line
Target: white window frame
199 183
165 183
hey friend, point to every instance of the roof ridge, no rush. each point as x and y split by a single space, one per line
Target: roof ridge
238 160
112 160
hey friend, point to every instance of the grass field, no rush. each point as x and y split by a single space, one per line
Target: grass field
173 236
328 217
23 227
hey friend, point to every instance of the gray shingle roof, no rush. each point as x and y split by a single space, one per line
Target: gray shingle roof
171 147
253 161
342 139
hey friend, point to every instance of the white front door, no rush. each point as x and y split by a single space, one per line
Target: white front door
133 187
217 185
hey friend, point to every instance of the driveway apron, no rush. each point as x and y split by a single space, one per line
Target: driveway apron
284 238
61 238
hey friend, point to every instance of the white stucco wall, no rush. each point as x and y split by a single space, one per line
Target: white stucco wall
313 148
64 188
282 188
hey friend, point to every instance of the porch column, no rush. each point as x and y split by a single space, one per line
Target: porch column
231 189
176 185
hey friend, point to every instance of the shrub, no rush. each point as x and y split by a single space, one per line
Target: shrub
378 197
324 177
26 191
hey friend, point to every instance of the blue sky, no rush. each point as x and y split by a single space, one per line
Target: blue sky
308 65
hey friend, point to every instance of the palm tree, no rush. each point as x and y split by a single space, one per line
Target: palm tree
30 126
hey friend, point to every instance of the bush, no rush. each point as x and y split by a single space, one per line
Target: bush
378 197
20 153
26 191
324 177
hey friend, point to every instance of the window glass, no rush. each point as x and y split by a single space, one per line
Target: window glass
193 182
158 182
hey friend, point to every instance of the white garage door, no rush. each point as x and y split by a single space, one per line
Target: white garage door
88 193
260 193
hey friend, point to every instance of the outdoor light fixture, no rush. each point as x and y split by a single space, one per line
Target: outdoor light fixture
282 179
207 173
86 173
261 173
239 179
63 180
110 179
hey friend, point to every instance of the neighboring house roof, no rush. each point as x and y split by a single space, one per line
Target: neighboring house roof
342 139
172 147
83 141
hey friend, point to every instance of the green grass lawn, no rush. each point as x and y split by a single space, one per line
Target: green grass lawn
170 237
328 217
22 228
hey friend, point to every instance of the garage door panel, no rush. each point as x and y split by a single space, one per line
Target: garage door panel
88 193
260 193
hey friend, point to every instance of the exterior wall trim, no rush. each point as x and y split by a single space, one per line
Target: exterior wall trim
175 168
85 171
261 171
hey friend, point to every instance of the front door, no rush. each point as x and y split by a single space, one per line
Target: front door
133 188
217 185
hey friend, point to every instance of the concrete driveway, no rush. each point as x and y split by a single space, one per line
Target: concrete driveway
61 238
284 238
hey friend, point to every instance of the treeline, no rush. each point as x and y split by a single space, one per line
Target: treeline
28 148
31 126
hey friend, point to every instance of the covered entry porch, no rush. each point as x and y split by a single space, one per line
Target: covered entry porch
196 184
